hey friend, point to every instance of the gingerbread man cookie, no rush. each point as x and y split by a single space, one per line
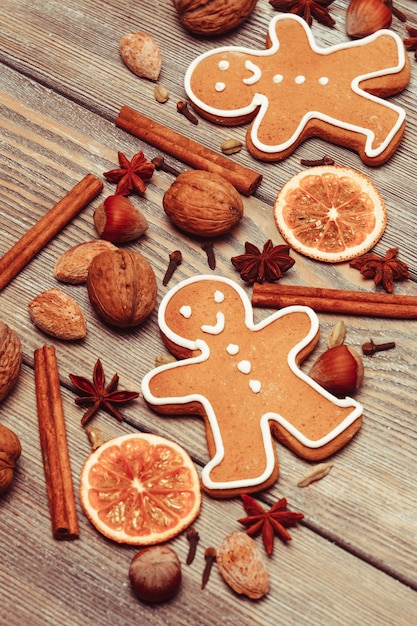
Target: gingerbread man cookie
243 378
294 90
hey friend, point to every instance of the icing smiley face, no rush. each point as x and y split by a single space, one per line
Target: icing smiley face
294 90
244 380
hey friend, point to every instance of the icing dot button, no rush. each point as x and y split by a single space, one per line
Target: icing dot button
323 80
255 385
244 367
232 349
278 78
300 79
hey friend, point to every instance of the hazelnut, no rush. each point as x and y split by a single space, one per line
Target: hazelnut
122 287
155 574
10 359
365 17
118 220
10 451
339 370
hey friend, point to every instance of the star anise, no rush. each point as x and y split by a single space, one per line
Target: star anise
267 266
131 175
410 42
269 523
384 270
98 395
307 9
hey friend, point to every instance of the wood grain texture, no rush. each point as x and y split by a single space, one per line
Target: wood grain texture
353 560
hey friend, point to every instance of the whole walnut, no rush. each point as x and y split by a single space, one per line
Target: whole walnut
10 451
213 17
10 359
202 203
122 287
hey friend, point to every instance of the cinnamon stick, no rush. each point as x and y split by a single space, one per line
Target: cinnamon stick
321 299
54 447
187 150
28 246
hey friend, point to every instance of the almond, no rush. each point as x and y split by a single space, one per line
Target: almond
72 266
241 565
57 314
140 53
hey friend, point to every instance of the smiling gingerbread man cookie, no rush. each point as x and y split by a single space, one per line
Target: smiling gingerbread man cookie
243 378
294 90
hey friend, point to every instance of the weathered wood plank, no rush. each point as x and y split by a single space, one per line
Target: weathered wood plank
45 581
54 130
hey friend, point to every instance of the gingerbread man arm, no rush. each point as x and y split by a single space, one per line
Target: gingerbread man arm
352 77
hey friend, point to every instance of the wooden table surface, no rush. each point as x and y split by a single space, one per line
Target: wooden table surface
353 560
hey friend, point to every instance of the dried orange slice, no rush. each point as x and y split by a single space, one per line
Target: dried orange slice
330 213
140 489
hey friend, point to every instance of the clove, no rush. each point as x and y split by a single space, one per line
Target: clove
193 538
210 557
398 14
175 259
208 248
161 164
182 107
370 347
317 162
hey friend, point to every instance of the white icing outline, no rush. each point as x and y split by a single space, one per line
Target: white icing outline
201 345
260 100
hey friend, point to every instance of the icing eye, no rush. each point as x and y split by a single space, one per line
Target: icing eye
218 297
186 311
300 79
278 78
224 65
323 80
220 86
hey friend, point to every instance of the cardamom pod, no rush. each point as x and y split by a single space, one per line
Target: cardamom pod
161 93
231 146
337 335
315 473
164 359
95 437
